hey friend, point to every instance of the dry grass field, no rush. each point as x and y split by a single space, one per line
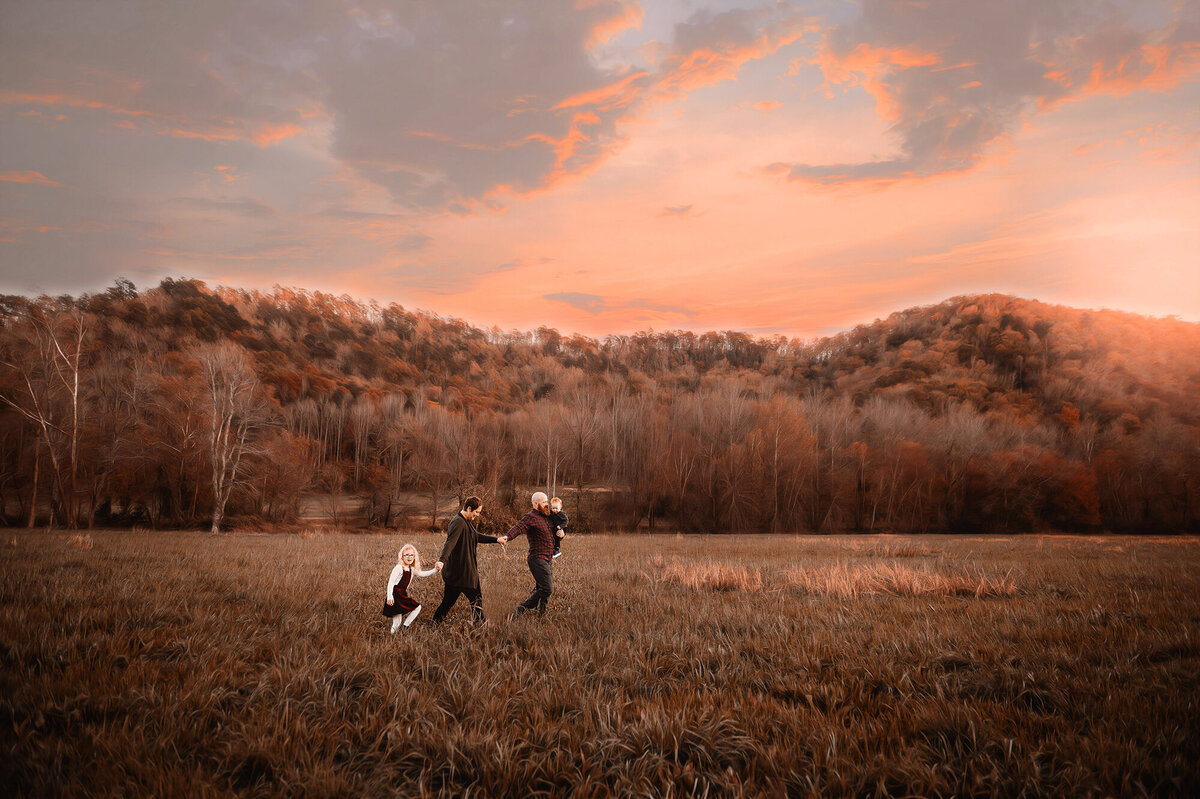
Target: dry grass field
165 664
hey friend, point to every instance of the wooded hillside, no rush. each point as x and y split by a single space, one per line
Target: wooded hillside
183 405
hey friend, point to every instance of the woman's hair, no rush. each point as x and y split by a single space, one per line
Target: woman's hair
416 557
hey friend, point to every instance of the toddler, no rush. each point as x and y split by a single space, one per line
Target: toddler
558 521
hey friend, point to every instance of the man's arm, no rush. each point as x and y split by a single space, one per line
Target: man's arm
453 534
518 529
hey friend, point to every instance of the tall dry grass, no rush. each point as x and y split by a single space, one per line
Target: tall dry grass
838 580
189 664
850 581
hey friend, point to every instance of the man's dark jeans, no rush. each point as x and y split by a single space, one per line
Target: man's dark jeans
544 585
473 595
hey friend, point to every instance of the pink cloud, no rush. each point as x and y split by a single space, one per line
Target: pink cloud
35 178
617 19
263 134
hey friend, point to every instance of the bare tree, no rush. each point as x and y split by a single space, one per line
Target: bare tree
582 423
434 433
786 453
363 418
238 410
47 361
544 428
395 446
638 435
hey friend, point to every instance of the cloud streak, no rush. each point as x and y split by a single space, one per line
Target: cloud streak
596 304
29 177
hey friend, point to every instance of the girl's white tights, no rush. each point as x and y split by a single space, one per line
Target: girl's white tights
406 620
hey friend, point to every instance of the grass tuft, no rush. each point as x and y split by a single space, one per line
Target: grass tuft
711 576
80 541
850 581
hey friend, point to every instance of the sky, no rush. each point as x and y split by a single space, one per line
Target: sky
609 166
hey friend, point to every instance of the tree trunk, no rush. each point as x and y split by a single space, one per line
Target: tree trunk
433 514
37 459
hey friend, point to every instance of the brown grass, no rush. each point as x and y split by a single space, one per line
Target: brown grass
850 581
190 664
710 576
889 547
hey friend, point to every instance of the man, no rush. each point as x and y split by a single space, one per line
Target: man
535 526
459 564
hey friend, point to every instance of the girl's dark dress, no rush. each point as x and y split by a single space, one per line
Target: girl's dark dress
403 602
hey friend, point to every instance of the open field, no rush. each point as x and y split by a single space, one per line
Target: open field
185 663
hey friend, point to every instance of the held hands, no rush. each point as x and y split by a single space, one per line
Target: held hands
438 565
502 539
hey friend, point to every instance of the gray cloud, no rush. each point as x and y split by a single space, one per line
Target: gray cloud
243 205
954 76
595 304
592 303
454 105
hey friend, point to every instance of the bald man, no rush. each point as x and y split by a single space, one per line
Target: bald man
535 526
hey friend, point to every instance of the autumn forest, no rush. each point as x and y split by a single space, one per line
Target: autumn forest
188 406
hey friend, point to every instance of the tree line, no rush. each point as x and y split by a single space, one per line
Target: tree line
183 405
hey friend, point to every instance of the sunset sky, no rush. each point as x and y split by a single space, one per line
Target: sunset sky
606 166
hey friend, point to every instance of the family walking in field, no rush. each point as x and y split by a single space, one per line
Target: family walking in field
543 527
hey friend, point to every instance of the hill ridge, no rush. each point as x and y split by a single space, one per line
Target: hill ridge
1052 402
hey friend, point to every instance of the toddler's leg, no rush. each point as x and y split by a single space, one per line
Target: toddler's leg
409 620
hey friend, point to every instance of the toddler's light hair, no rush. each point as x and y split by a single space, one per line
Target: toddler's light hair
556 504
416 556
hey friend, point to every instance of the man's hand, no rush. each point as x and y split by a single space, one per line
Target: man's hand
561 534
502 539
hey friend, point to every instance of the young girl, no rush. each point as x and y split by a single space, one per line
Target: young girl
400 606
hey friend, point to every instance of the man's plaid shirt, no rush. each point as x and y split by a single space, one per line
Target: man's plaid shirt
537 528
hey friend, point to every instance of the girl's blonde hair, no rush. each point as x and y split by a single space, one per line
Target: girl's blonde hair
416 556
